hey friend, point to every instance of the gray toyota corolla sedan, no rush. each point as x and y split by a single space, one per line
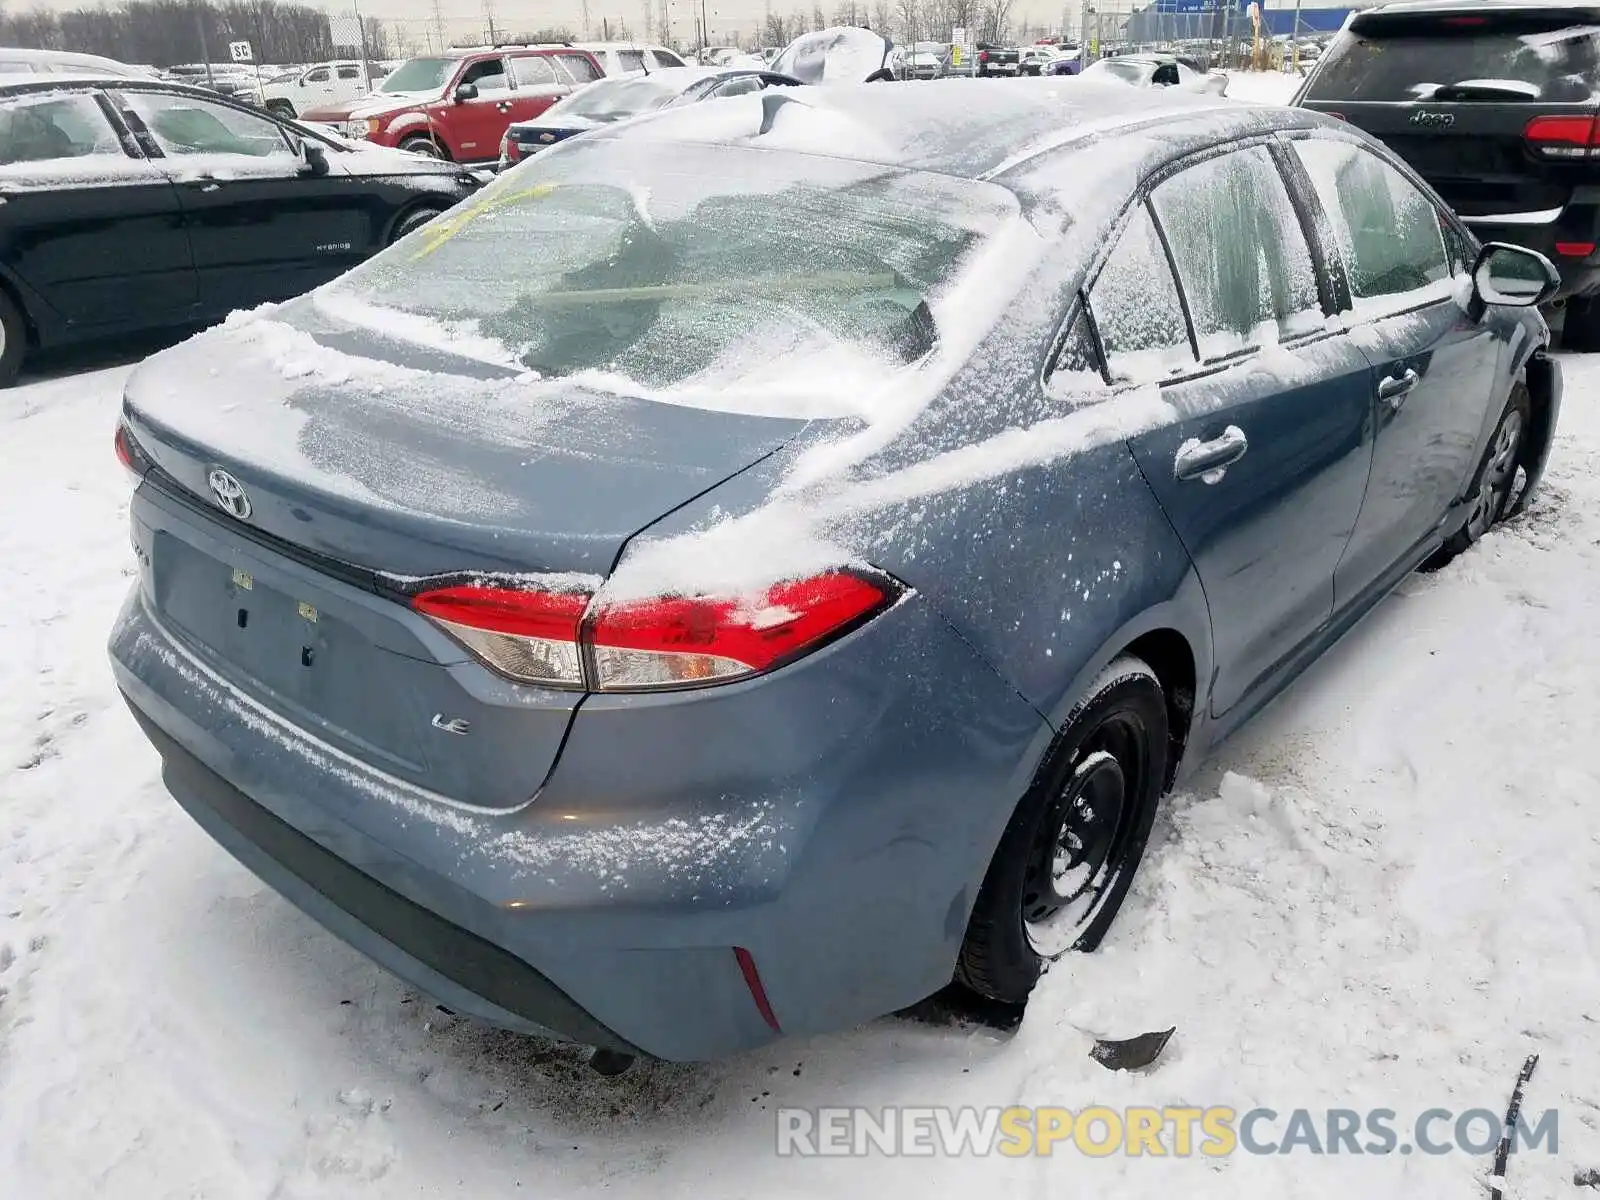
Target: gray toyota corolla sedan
749 568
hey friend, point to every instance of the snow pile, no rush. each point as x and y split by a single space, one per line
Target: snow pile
1382 893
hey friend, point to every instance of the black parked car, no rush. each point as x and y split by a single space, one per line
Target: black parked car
1497 105
128 205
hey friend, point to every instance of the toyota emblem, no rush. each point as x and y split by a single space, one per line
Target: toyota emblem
229 493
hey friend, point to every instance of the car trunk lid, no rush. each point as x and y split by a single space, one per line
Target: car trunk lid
1453 91
365 469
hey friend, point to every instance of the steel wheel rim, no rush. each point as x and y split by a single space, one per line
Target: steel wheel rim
1084 839
1498 474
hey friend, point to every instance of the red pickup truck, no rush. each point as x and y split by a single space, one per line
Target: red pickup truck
457 105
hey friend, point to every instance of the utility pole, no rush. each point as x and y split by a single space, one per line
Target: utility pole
366 66
488 12
205 55
585 10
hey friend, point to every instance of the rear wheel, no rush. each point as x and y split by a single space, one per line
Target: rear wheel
1070 850
1580 328
13 340
423 144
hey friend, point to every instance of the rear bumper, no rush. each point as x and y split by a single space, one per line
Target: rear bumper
831 822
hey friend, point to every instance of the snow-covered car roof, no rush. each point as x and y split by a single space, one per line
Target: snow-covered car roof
942 126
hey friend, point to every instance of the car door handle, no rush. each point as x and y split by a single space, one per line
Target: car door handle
1209 461
1395 388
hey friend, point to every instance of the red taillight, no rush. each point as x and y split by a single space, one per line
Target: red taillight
672 641
128 452
1563 136
1575 249
983 56
530 636
662 642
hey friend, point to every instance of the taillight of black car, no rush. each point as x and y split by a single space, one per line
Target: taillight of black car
1563 136
578 640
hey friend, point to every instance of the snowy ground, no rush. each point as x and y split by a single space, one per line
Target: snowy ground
1385 892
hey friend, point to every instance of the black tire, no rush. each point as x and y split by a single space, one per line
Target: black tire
281 108
13 340
423 144
1495 483
1083 826
1580 328
411 220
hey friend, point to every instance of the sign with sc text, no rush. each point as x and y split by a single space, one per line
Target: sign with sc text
240 52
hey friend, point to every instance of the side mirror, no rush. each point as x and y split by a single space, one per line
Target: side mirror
467 91
1513 276
313 159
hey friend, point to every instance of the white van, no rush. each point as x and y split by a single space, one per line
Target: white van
64 62
316 86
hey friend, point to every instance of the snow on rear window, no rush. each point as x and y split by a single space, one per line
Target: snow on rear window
691 270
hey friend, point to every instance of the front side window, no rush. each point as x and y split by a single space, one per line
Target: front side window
739 86
320 75
666 58
1388 232
1136 308
489 75
631 60
1242 258
183 125
52 127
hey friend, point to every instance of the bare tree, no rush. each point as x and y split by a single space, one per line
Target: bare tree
849 12
883 16
995 19
819 19
775 30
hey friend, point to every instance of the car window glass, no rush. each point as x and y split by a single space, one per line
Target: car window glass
1075 373
631 60
1388 231
1165 75
533 72
1536 55
320 75
487 76
1135 306
1242 258
51 127
183 125
579 66
739 86
349 72
666 58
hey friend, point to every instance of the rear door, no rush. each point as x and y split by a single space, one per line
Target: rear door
1434 368
1454 93
262 227
86 223
1263 471
538 85
473 128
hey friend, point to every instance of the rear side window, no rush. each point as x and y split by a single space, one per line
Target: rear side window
533 72
1389 233
666 58
1495 58
349 72
47 128
1136 309
580 66
1242 258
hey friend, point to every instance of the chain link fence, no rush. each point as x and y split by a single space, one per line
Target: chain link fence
1216 38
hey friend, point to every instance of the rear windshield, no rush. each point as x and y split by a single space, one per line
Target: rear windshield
612 100
1508 61
673 264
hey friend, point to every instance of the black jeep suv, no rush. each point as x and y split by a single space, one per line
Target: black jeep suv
1497 105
